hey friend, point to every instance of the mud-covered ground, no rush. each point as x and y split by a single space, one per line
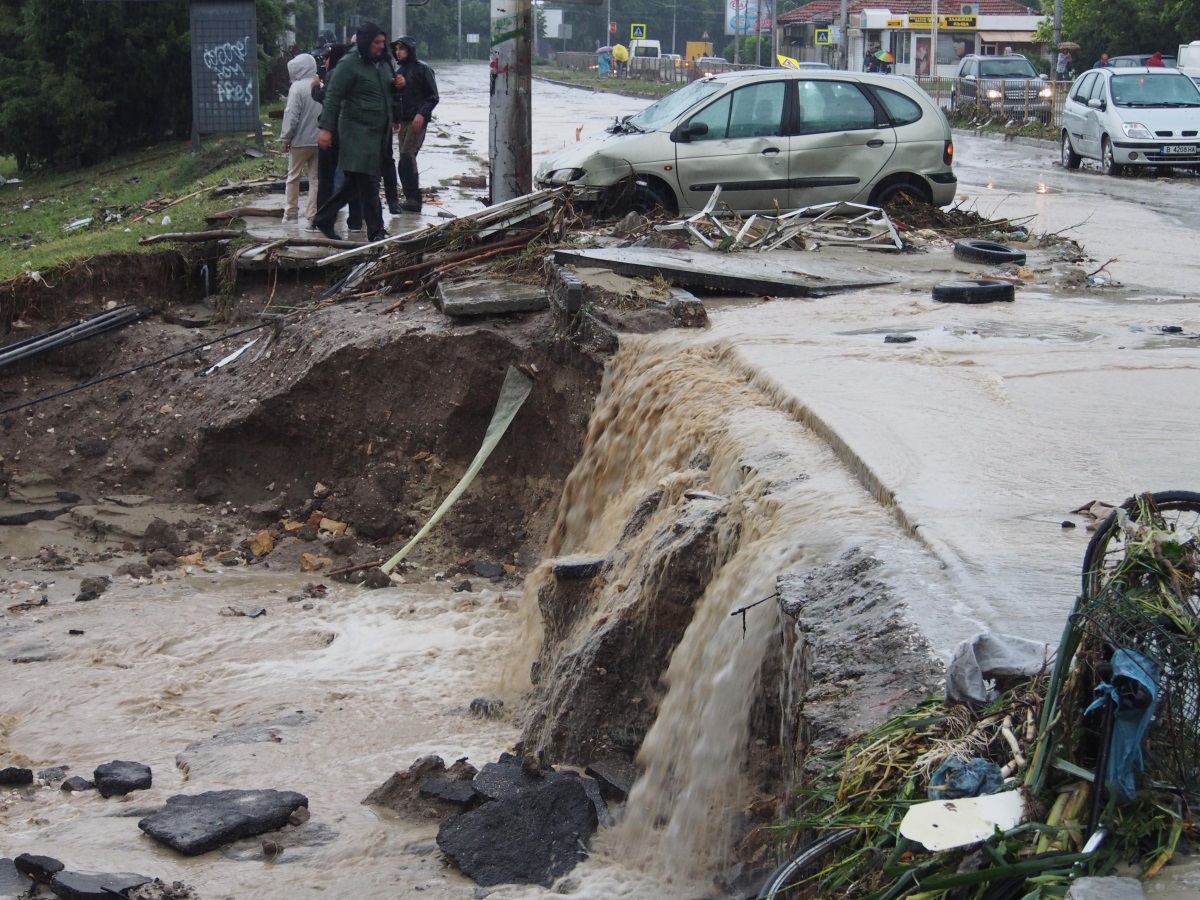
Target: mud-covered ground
369 417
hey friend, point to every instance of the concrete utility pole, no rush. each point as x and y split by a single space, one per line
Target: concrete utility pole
458 40
843 45
1057 26
933 28
510 130
399 19
320 17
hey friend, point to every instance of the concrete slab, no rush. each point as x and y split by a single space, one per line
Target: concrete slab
781 273
490 296
1106 889
119 521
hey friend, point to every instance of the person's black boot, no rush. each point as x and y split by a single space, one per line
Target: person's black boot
327 229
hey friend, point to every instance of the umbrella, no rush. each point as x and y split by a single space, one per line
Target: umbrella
884 56
604 49
1067 45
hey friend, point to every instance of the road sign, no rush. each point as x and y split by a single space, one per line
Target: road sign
822 37
637 32
612 27
704 37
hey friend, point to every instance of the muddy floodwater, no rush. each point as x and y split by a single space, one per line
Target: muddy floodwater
954 459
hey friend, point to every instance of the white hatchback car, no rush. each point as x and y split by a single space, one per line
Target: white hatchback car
773 139
1132 117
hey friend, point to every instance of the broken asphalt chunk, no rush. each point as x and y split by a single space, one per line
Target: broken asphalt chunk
197 823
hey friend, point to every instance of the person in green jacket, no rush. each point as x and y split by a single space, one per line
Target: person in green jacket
358 105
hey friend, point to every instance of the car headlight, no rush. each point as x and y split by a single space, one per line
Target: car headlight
1135 130
565 176
1046 93
994 94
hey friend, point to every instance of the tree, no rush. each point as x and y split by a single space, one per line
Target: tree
81 81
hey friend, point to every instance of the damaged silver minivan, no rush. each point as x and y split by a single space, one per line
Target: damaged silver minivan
773 139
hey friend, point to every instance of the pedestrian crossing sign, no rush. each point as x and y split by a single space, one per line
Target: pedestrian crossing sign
822 36
637 32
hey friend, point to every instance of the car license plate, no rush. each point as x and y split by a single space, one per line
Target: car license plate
1180 149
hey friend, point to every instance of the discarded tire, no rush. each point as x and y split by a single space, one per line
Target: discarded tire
974 250
980 290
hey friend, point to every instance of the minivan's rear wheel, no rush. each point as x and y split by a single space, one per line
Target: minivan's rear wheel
904 193
1107 161
1070 159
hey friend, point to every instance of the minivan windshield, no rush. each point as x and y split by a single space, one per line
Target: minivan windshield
672 106
1007 67
1154 90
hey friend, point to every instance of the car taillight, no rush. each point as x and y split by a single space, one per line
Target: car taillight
948 153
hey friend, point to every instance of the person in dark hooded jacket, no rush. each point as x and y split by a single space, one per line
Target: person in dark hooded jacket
329 174
358 106
412 109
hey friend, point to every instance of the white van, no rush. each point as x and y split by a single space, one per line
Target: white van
644 55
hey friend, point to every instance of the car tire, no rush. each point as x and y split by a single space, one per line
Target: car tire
974 250
914 193
979 290
1108 162
646 199
1070 159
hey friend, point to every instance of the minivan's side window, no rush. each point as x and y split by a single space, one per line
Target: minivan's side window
716 117
757 110
969 67
1084 88
753 111
1097 89
902 110
833 106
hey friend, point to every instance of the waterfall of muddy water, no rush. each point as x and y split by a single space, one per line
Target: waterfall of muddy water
331 700
684 419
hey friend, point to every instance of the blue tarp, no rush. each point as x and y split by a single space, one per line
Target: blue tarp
1133 694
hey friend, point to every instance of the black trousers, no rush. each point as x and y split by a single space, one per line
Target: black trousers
356 186
327 172
390 187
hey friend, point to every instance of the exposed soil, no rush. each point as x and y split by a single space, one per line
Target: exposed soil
384 411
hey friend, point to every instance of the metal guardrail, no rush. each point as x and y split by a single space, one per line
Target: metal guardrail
988 100
999 100
644 69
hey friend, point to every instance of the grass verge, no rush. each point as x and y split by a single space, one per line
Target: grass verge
123 197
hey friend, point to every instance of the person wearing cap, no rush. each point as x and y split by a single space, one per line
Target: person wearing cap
412 108
358 106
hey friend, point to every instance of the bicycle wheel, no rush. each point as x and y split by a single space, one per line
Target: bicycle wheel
783 880
1179 511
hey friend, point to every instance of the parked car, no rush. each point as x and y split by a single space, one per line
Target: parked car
772 139
712 65
1138 59
1006 84
1132 117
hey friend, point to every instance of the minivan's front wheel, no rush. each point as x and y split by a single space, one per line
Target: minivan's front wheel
646 200
1070 159
1107 160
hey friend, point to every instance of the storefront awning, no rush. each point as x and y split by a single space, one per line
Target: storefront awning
1006 37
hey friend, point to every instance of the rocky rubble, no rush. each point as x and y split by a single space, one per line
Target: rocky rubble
515 821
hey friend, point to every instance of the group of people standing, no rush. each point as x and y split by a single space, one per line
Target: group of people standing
341 131
1064 71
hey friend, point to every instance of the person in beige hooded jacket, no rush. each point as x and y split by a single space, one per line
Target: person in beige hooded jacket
299 136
